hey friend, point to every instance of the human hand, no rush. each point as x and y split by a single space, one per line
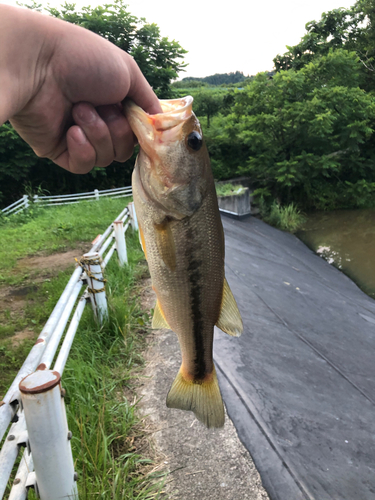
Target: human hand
67 85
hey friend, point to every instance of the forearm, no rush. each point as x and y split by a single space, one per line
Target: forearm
23 49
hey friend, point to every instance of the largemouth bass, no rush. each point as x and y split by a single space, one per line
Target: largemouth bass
183 240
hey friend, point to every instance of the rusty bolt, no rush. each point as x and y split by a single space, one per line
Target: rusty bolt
17 480
63 393
70 435
76 476
12 437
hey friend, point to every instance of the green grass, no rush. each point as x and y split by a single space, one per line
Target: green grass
32 317
101 367
288 218
52 229
101 401
229 189
45 231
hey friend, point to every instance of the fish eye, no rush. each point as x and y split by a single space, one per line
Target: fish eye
195 141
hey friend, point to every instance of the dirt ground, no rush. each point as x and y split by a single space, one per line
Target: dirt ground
202 464
39 268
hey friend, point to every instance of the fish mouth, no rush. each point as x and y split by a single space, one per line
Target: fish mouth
162 127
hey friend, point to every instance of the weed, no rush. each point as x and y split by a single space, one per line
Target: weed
103 421
229 189
6 331
107 432
288 218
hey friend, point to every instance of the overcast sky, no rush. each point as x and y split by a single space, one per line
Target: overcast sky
227 36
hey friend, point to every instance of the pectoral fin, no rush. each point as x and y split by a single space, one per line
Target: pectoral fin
230 318
165 244
159 321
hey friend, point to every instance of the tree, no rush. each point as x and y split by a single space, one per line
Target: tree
306 136
352 29
216 79
207 103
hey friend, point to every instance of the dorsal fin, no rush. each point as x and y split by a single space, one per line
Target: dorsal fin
229 320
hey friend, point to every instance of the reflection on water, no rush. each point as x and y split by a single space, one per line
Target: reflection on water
346 239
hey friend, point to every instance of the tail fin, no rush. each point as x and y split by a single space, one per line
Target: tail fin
204 399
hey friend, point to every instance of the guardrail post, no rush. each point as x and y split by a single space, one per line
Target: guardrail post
96 192
26 200
118 227
91 263
49 436
133 216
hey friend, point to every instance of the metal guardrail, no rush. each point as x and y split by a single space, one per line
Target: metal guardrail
63 199
17 206
34 403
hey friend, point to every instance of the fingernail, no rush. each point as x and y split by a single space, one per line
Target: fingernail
86 115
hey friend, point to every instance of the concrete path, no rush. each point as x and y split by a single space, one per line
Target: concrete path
299 384
202 464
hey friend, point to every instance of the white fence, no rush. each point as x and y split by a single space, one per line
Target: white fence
50 201
34 404
17 206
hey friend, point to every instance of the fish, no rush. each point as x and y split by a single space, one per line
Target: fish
182 237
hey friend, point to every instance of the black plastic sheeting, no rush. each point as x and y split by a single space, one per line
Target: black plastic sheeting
299 384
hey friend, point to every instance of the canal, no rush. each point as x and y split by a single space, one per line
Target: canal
346 239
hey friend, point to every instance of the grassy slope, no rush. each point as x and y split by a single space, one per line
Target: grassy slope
103 360
53 229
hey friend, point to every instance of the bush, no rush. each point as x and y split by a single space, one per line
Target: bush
304 136
288 218
229 189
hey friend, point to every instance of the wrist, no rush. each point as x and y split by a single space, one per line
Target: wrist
23 57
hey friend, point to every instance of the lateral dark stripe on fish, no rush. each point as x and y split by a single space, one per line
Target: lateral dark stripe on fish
195 276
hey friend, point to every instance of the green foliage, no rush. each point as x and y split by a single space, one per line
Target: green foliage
104 422
288 218
16 161
229 189
304 135
157 56
21 169
189 84
216 79
207 104
352 29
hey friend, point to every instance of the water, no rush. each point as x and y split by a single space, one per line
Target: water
346 239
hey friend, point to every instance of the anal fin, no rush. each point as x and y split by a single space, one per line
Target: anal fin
158 320
229 320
